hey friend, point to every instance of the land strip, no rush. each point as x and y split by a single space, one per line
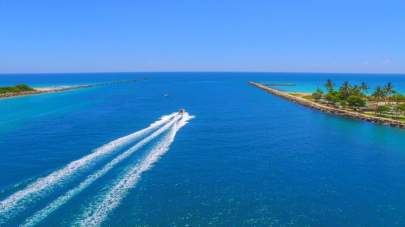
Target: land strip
36 91
329 109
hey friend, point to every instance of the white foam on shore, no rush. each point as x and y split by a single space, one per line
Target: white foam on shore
17 201
100 209
40 215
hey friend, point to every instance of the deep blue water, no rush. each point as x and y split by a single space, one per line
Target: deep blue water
246 159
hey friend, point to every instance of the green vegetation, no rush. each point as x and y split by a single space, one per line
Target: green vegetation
16 89
382 110
317 95
356 101
384 101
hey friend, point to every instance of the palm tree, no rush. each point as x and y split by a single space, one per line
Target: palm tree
356 90
345 89
389 89
329 85
378 94
364 87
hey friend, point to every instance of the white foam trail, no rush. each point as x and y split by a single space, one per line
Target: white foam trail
113 198
40 215
15 202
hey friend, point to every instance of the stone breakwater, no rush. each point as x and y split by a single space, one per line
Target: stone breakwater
329 109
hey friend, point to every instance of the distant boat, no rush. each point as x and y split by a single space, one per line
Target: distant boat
166 95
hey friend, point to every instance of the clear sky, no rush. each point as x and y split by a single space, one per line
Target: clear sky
205 35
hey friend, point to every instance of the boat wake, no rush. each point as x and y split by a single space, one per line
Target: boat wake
100 209
20 200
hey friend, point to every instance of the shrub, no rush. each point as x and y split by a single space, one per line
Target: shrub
17 88
343 103
398 98
383 109
400 108
356 101
24 87
332 97
317 94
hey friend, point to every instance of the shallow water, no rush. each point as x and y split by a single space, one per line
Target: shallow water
247 158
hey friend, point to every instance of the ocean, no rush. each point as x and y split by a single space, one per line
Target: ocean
121 155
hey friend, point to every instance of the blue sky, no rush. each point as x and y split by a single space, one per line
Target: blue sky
207 35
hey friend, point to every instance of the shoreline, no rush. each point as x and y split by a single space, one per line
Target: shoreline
329 109
45 90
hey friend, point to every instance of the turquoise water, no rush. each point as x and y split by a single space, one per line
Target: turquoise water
309 82
246 159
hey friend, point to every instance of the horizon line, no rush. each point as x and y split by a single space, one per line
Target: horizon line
258 72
